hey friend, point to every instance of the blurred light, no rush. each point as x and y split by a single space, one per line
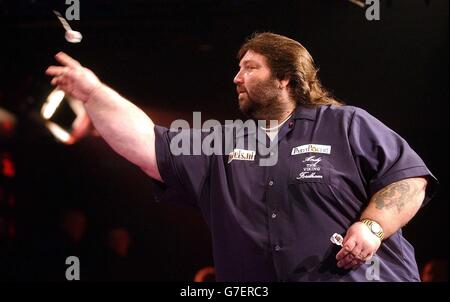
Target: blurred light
59 133
65 117
7 123
54 99
206 274
7 165
358 2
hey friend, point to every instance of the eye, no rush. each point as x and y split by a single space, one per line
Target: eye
249 68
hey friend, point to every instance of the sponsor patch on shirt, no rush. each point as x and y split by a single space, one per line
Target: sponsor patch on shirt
312 168
241 154
311 148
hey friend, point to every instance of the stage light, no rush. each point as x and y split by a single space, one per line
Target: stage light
54 99
65 117
59 133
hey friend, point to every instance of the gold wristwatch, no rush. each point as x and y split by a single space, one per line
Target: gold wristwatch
374 227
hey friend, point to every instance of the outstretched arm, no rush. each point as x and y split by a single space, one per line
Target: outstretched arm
125 127
391 207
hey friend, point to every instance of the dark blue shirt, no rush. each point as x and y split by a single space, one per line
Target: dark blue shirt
274 223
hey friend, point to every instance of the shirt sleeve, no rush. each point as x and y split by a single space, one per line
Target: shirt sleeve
383 156
184 175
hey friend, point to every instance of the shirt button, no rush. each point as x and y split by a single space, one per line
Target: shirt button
274 215
277 248
271 183
291 124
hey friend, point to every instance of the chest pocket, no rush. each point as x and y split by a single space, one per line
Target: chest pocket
310 168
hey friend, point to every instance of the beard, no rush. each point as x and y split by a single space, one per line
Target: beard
259 101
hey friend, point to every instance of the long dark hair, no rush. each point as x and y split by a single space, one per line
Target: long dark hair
288 59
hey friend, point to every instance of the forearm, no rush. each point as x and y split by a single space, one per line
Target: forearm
125 127
396 204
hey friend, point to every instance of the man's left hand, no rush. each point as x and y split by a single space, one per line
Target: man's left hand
358 246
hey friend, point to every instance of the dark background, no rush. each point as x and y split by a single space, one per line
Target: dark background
173 57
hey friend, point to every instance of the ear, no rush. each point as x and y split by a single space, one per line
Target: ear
284 83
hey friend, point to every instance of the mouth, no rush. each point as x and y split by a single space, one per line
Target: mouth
240 90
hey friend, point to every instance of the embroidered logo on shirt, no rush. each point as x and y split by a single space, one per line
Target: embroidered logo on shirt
311 168
241 154
311 148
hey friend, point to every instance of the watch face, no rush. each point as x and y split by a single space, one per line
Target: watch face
375 228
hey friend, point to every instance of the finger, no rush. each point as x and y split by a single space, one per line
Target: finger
62 85
344 262
368 257
346 248
342 253
60 80
67 60
349 245
362 254
56 70
357 252
355 263
57 81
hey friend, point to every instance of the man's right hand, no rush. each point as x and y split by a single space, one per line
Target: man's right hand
125 127
72 78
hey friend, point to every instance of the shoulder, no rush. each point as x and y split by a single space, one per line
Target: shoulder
341 110
346 113
342 113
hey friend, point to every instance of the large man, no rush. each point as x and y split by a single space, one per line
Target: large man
339 170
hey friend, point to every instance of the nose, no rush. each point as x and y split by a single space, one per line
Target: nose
238 79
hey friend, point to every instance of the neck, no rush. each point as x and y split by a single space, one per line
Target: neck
279 112
277 108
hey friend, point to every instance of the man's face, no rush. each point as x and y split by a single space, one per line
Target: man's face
256 87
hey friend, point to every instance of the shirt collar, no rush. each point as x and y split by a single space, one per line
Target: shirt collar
303 112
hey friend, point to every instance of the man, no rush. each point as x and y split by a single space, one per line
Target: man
339 170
